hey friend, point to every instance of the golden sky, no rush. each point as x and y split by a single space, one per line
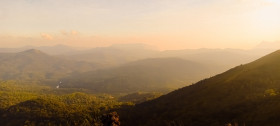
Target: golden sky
166 24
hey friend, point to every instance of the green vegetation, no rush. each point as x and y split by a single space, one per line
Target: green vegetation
247 94
139 97
30 104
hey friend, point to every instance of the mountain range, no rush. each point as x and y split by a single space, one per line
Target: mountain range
148 75
115 55
247 94
35 65
119 68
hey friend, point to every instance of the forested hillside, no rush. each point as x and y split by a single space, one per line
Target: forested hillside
247 94
26 103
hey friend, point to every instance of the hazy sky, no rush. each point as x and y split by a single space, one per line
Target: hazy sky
167 24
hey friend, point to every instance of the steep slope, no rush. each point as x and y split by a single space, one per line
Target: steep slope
35 65
247 94
158 74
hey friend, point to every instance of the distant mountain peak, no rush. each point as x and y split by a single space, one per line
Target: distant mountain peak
32 52
134 46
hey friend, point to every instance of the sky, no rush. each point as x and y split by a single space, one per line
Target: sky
165 24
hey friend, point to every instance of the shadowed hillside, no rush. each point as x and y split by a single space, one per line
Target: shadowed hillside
247 94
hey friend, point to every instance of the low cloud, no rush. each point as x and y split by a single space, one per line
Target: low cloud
73 32
46 36
70 33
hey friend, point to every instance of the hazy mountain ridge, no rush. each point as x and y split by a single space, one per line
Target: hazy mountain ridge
50 50
115 55
247 94
35 65
149 75
131 64
222 58
120 54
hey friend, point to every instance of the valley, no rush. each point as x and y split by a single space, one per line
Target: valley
42 89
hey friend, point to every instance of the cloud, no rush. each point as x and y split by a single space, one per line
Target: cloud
73 32
65 33
70 33
46 36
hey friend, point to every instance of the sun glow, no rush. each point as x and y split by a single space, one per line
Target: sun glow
222 23
268 17
274 1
